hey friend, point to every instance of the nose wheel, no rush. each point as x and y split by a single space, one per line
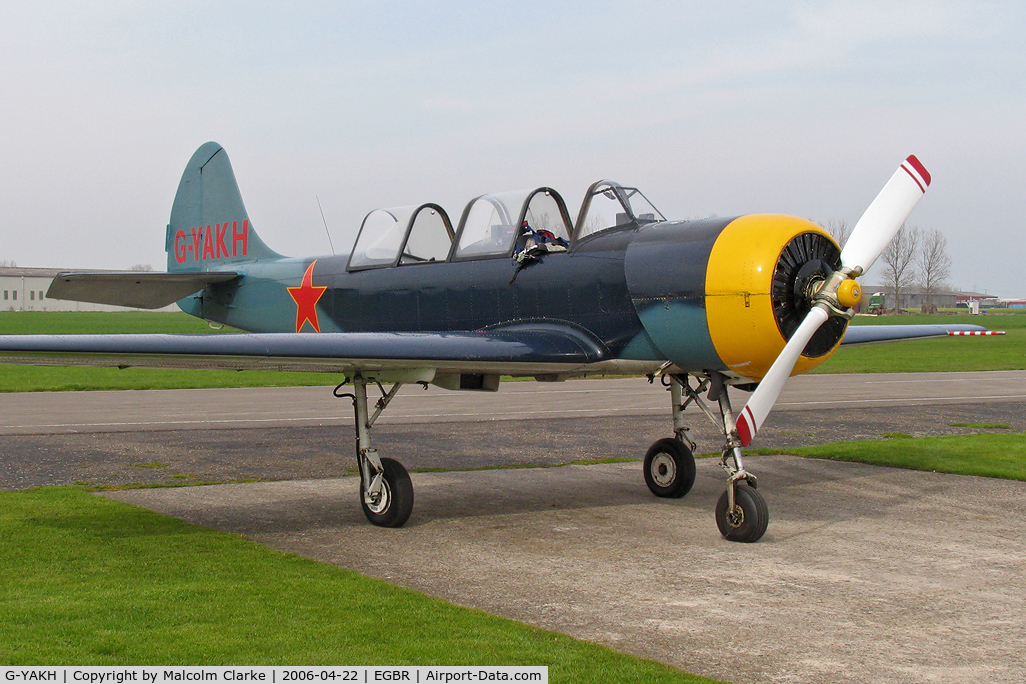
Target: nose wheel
747 519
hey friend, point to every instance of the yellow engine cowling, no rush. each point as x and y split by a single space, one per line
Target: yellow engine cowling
760 271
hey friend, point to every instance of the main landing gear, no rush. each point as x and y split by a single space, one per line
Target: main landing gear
741 512
386 492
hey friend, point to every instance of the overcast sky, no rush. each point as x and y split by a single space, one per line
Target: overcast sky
803 108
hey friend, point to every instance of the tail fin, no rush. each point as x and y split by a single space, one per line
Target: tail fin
210 229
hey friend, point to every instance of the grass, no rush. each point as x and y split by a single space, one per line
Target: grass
983 426
986 455
89 581
100 322
1005 352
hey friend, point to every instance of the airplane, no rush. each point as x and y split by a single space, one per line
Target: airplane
515 288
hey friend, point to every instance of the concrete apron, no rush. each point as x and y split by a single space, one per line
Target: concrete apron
866 574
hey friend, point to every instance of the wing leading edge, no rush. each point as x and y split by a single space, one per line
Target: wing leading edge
541 350
869 334
529 350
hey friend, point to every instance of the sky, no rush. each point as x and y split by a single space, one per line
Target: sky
803 108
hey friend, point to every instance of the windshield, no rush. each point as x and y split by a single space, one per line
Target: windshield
641 207
610 205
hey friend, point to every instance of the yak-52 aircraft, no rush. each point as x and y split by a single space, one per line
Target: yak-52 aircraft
516 288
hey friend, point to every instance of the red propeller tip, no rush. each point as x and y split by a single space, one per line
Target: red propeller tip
746 426
915 168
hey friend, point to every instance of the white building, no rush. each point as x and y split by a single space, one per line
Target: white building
24 289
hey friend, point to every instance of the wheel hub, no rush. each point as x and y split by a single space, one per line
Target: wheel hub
736 517
664 470
378 502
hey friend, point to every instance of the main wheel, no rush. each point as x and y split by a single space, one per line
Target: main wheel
748 521
396 503
669 468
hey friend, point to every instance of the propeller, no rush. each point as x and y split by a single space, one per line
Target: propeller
840 291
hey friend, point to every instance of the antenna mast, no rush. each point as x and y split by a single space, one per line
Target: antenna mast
330 243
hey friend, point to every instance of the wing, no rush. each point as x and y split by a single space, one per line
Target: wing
528 350
868 334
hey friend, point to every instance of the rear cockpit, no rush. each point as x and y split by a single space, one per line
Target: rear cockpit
496 225
400 236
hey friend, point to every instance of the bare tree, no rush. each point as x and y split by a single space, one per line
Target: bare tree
899 261
840 230
933 262
7 263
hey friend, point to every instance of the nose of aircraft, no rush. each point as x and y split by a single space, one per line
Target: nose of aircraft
727 293
762 272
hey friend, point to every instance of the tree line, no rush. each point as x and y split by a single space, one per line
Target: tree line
915 256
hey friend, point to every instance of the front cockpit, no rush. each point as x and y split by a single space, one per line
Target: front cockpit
496 225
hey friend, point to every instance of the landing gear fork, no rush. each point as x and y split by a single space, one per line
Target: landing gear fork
386 492
741 513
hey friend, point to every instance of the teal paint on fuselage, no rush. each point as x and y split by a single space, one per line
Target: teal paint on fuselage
683 334
641 348
260 300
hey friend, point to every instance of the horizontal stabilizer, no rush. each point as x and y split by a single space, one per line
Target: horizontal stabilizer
868 334
137 289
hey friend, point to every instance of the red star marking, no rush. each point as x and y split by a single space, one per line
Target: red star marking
306 297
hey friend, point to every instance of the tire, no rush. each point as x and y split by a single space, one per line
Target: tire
669 468
751 519
397 500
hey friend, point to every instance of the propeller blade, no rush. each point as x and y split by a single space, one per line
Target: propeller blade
868 240
758 407
885 215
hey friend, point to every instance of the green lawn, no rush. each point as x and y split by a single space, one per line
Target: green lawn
1005 352
89 581
100 322
999 455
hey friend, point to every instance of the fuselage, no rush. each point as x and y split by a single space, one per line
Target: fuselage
644 292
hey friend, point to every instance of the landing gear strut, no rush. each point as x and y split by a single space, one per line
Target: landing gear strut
741 513
386 492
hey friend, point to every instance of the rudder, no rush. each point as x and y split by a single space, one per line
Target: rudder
210 229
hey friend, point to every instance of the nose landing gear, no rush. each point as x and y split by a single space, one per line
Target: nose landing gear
669 467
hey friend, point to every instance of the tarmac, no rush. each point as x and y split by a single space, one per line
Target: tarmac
865 574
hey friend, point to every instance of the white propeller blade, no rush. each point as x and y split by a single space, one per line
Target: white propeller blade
885 215
759 406
868 240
